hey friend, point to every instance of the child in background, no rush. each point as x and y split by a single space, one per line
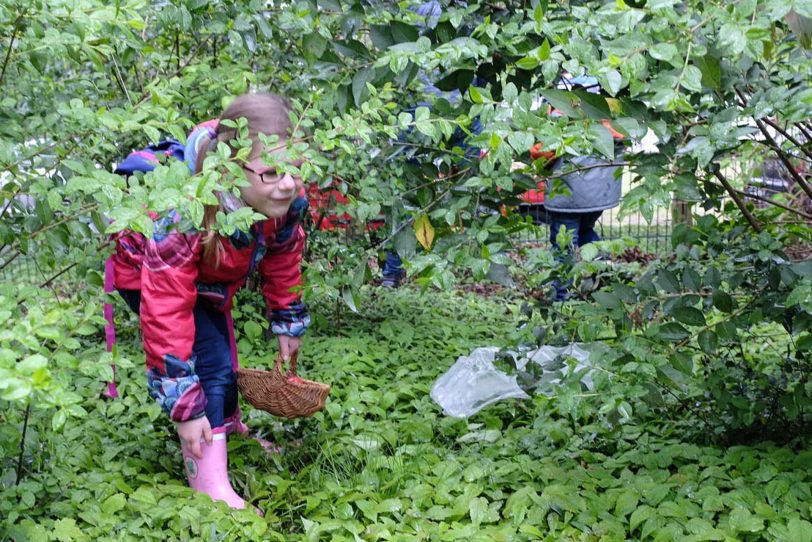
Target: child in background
182 284
593 186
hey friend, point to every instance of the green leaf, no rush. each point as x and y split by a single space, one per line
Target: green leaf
15 389
314 45
544 51
688 316
113 504
402 32
692 78
381 36
663 51
31 364
613 81
732 39
667 280
564 101
707 341
594 106
711 70
626 503
723 301
799 530
742 520
65 530
727 332
640 515
691 280
672 332
602 140
804 343
350 298
478 510
359 84
607 300
528 63
475 95
252 330
588 252
58 419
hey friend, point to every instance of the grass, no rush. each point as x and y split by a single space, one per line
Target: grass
382 462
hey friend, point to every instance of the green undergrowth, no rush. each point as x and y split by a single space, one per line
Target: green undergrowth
382 462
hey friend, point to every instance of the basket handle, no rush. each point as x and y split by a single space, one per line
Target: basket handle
279 364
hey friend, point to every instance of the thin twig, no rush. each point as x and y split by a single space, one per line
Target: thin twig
405 223
13 246
120 80
775 203
789 137
22 444
777 148
11 44
742 207
785 159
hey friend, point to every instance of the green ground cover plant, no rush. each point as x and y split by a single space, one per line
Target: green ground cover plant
381 462
698 427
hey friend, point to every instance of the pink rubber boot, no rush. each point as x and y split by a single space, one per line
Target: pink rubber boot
209 475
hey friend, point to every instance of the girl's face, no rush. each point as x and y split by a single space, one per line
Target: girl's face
271 192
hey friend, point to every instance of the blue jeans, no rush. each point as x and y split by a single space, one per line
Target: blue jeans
581 225
212 348
582 228
393 268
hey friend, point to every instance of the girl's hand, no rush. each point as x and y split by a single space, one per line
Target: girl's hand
191 431
288 345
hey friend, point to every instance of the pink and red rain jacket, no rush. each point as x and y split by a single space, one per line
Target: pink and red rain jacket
172 275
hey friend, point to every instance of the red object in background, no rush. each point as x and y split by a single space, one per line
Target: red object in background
323 213
537 196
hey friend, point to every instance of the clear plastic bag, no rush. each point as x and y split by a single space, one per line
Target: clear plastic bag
474 382
552 360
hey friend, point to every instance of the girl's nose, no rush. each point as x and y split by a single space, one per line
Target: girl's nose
287 182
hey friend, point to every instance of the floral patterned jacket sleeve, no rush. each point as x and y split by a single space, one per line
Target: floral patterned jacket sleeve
281 273
168 297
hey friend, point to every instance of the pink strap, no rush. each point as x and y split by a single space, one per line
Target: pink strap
110 328
109 281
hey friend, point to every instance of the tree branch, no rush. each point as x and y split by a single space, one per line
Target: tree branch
774 203
742 207
11 45
784 159
777 149
801 147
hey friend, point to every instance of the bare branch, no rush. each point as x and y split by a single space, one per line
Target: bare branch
736 198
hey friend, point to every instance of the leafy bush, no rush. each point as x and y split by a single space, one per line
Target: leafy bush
718 332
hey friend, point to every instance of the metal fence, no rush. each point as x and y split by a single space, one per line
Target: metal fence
20 270
651 237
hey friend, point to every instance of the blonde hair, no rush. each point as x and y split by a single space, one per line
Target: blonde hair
266 114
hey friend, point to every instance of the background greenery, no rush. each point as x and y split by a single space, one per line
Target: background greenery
382 462
704 366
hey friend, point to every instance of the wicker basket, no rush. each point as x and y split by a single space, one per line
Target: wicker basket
282 393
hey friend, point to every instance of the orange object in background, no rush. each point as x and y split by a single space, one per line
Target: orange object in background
537 196
536 152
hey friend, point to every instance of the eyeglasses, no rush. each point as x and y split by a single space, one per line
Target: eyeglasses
269 174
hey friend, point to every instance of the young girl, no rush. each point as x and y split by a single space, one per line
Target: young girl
182 284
